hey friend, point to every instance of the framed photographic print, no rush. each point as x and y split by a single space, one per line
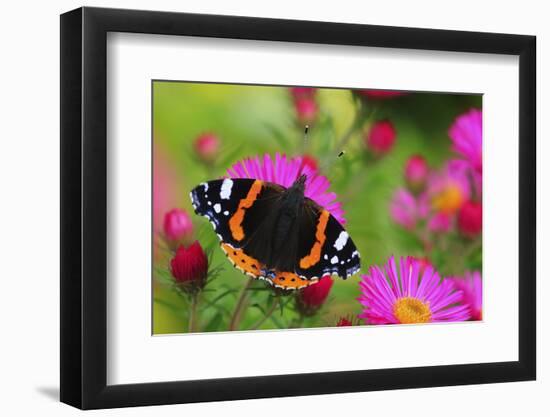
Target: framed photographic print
311 207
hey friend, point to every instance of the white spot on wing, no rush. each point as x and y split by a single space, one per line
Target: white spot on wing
205 185
217 207
341 241
225 192
226 213
334 260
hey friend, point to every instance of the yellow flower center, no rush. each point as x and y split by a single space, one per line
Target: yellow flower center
449 200
411 310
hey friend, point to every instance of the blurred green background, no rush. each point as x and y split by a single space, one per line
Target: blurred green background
253 120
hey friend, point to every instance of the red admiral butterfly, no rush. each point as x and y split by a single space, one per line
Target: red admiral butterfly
275 233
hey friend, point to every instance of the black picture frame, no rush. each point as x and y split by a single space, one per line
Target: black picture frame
84 207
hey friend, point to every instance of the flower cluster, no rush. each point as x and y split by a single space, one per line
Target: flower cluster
449 197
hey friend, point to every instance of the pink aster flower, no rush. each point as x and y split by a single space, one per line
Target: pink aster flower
449 188
466 134
471 287
406 209
284 171
392 295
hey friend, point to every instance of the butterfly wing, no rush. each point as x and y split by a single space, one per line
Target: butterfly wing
241 212
237 209
225 202
325 247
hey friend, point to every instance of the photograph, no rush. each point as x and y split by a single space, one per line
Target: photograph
294 207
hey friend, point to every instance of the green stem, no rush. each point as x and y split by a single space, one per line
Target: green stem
267 315
236 318
193 313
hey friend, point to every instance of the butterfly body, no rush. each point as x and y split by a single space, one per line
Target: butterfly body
275 233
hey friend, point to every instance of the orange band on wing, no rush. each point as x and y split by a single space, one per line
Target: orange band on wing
315 253
235 223
291 281
242 261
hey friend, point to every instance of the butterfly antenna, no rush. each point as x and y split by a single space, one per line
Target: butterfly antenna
331 160
306 131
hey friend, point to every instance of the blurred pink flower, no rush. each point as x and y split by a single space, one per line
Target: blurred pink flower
207 147
381 137
177 225
449 188
470 218
407 296
466 134
471 287
306 110
380 94
284 171
440 223
406 209
416 173
302 92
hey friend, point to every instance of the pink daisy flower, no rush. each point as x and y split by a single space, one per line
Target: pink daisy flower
284 171
471 287
406 210
466 134
405 297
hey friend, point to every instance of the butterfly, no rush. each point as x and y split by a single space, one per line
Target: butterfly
275 233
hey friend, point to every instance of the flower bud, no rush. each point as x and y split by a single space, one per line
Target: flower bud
189 267
303 92
177 227
343 322
207 147
416 173
306 110
311 298
381 137
470 218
